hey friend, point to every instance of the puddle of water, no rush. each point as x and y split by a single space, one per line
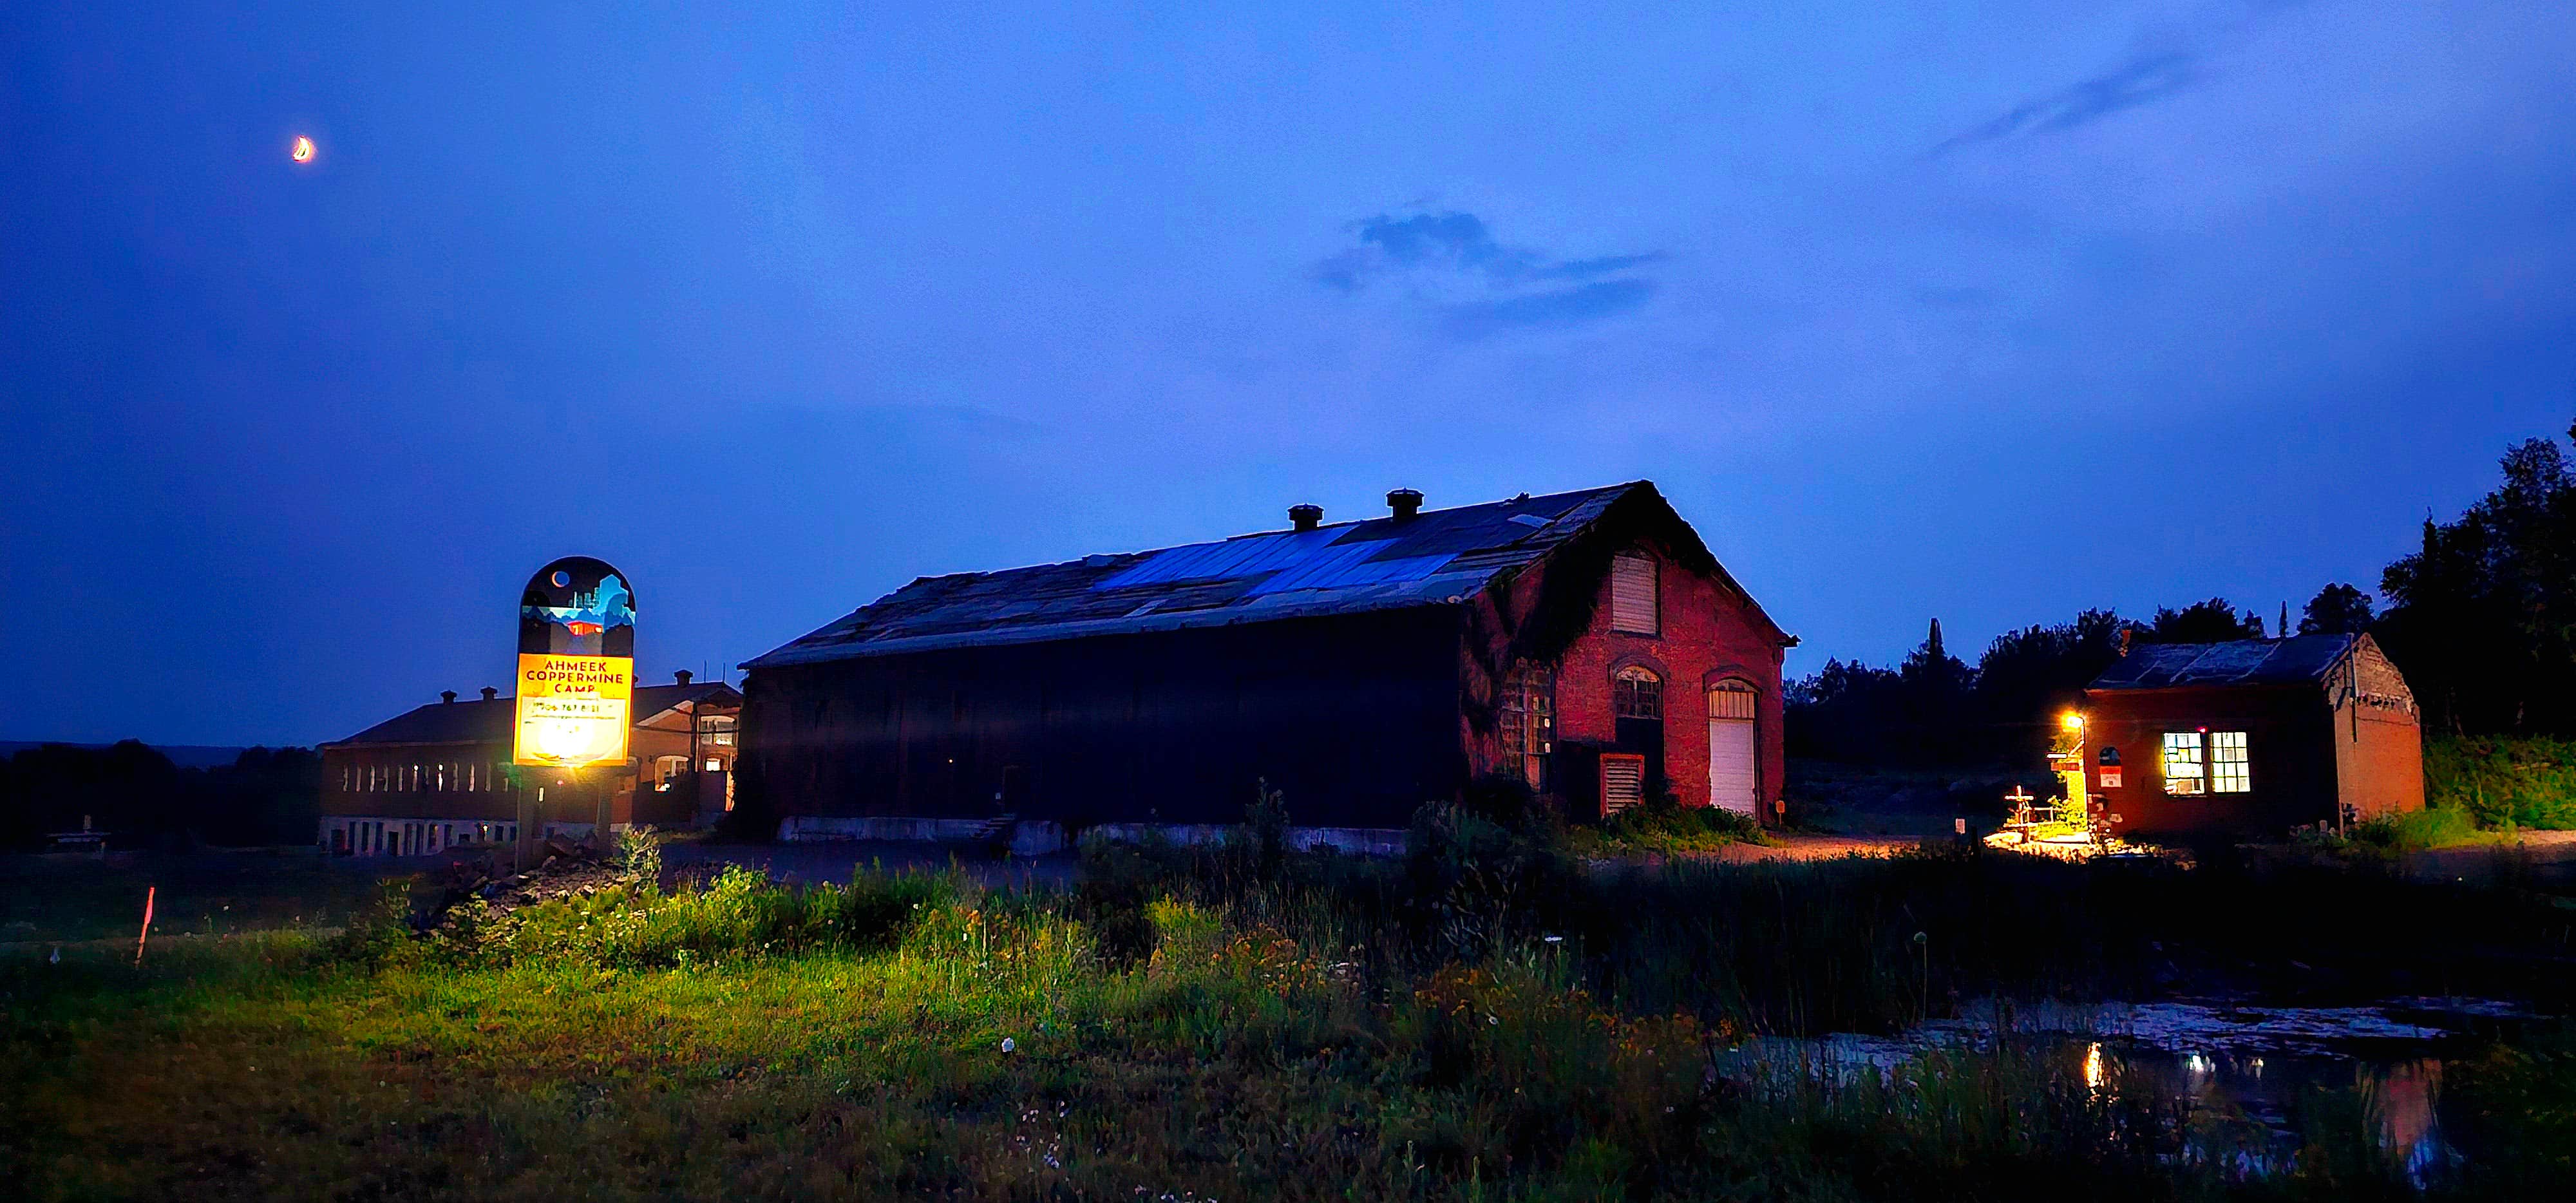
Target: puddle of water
2217 1061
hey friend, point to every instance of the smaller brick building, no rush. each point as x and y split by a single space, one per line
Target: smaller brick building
438 776
2253 737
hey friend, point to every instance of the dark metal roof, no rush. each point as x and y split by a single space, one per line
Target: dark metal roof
480 722
2298 660
1436 557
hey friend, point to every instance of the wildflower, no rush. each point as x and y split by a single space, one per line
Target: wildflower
1009 1045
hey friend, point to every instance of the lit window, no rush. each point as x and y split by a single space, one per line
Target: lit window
1632 595
2228 772
1529 720
2183 769
2207 762
1637 693
717 729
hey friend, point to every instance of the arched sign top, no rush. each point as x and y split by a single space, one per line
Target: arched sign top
577 606
576 665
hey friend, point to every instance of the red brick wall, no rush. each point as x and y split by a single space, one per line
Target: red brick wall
1709 632
2379 758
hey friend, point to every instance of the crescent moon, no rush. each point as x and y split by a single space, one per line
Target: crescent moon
303 149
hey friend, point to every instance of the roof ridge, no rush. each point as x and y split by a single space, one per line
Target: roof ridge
1379 562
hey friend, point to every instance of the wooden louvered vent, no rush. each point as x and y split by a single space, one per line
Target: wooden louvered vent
1731 700
1623 781
1632 595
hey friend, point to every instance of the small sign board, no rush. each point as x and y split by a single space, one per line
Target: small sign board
576 666
2111 777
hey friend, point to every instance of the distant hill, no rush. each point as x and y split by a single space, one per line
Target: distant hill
186 756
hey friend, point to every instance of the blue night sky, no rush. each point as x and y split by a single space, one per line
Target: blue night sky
1984 311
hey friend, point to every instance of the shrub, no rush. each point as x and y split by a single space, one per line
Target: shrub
1665 826
2499 782
740 913
2415 831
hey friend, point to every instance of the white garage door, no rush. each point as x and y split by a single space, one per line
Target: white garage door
1733 775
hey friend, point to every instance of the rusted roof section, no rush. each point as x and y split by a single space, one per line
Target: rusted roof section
1437 557
475 721
2298 660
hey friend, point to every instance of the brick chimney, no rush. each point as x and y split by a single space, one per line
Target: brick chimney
681 676
448 696
490 693
1405 502
1305 517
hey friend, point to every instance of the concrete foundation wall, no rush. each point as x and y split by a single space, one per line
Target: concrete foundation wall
1038 837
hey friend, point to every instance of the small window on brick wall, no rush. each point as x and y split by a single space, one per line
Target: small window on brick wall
1632 595
1636 693
1529 720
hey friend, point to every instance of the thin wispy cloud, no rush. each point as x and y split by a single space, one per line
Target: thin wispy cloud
2140 81
1435 257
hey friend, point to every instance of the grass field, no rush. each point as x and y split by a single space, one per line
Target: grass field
1485 1020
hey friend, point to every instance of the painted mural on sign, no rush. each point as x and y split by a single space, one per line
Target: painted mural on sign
576 665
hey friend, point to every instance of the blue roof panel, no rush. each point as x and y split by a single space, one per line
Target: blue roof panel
1435 557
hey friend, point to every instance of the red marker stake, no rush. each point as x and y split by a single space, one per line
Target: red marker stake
147 927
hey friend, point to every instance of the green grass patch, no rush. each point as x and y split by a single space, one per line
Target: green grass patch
1484 1019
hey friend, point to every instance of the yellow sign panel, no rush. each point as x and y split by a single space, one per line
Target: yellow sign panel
574 710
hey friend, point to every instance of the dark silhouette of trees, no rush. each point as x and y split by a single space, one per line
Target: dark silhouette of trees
2028 677
2337 609
2482 617
1933 709
138 796
2212 621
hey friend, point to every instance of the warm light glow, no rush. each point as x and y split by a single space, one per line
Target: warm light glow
2093 1066
2071 721
303 149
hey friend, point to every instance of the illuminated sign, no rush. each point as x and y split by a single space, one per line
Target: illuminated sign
576 666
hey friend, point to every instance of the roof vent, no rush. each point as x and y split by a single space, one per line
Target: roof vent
447 695
490 693
1305 517
682 676
1405 502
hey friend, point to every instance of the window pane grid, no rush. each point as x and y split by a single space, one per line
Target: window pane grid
1528 718
2228 766
1637 693
2183 770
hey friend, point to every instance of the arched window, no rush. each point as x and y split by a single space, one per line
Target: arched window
1636 692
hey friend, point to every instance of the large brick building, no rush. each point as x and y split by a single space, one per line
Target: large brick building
2253 737
1585 643
438 776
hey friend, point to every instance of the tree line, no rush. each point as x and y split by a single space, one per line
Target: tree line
143 800
2481 619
